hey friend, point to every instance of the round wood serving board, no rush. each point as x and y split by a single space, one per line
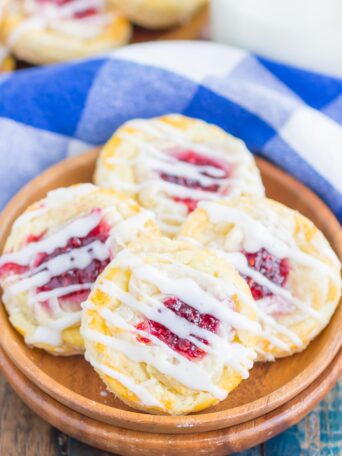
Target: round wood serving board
73 382
132 443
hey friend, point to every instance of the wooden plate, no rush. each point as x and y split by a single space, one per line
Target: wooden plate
72 381
131 443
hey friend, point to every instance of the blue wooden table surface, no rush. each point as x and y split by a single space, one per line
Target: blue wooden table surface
319 434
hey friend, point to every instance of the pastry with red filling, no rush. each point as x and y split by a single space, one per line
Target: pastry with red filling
55 252
159 14
169 164
47 31
169 327
289 266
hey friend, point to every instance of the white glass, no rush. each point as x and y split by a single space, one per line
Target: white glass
305 33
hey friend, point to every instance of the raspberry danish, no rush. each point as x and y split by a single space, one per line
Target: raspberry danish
292 271
169 327
171 163
55 252
46 31
158 14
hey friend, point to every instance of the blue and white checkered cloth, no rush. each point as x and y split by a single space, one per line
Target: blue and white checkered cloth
290 116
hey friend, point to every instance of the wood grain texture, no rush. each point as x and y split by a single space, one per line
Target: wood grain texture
130 443
269 385
319 433
22 433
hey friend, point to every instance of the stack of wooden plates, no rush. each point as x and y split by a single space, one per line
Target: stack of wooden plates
67 393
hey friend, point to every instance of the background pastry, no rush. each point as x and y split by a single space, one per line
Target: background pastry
292 271
45 31
170 163
156 14
6 61
169 327
55 252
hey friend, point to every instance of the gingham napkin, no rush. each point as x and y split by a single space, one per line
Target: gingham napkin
290 116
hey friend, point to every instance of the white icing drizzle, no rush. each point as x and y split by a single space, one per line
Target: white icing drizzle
265 333
234 354
61 18
240 262
54 199
58 292
161 157
199 380
51 333
78 258
163 131
138 389
47 309
127 230
199 291
255 237
230 352
49 329
168 229
76 228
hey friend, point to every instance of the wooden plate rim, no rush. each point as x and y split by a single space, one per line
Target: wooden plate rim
132 443
135 420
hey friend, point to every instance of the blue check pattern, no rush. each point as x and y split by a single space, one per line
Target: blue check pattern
290 116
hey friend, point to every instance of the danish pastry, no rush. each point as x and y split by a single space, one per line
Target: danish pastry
170 163
170 327
292 271
46 31
158 14
6 61
54 253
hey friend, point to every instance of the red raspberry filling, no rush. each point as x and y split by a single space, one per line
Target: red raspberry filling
182 346
99 233
18 269
192 315
12 269
76 276
73 276
79 15
274 269
196 159
191 204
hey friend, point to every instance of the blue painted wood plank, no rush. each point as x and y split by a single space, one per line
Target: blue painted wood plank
318 434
